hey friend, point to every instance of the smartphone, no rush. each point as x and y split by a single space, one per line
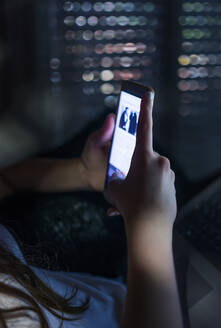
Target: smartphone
124 136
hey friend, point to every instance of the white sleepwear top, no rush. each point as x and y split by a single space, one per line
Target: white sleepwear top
107 297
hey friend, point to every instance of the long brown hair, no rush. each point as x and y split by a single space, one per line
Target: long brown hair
41 294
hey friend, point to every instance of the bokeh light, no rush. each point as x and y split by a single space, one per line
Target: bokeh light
55 63
108 41
107 88
199 61
68 6
69 20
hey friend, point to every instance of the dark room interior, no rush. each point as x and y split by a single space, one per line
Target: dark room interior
61 67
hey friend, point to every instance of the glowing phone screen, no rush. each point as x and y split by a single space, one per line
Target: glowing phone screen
124 139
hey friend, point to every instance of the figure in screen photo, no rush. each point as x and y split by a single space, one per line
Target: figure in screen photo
124 119
133 123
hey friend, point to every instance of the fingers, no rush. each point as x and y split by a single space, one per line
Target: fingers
114 189
145 123
164 162
106 132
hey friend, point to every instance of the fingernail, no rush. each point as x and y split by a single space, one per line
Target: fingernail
150 95
113 213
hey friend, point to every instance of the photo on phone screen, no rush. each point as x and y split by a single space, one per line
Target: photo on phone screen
124 138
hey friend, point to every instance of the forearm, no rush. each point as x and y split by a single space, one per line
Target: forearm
46 175
152 297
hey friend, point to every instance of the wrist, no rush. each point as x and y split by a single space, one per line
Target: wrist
150 249
149 224
149 236
82 173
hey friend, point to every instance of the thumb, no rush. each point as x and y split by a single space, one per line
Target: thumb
114 189
105 134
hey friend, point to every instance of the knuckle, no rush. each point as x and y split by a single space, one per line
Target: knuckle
147 153
147 157
142 154
173 174
156 154
164 162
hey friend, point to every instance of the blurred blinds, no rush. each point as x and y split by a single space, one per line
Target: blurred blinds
103 43
199 58
197 140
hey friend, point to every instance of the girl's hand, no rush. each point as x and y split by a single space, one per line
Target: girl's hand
148 192
95 154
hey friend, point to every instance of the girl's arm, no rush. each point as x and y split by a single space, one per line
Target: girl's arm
47 175
147 201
